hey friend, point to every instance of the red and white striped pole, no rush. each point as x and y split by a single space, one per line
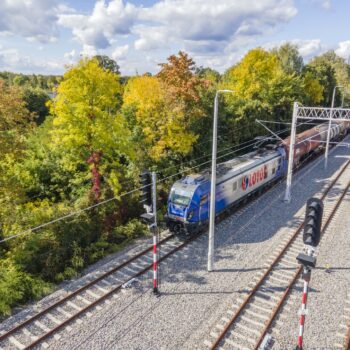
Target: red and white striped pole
155 239
155 262
306 277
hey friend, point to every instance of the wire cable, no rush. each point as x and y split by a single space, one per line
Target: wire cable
77 212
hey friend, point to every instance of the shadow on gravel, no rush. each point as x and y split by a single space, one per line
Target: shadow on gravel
209 292
260 221
268 214
241 270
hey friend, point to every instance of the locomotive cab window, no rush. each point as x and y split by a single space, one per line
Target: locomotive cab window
179 199
204 199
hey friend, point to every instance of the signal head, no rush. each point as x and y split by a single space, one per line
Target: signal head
313 222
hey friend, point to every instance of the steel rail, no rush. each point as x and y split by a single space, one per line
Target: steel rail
107 295
298 272
106 274
269 269
81 289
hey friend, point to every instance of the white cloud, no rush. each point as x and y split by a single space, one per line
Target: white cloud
99 30
151 38
307 48
325 4
71 57
209 28
32 19
120 52
12 60
343 49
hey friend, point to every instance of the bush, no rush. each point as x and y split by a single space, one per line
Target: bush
18 287
133 229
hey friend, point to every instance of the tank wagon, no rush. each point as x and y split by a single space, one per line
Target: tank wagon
314 139
239 178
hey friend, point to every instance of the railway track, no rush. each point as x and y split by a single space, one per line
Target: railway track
246 324
51 319
40 326
37 328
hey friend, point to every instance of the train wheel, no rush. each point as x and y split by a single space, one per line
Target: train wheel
177 228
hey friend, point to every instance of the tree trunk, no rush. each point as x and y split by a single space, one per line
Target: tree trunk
94 159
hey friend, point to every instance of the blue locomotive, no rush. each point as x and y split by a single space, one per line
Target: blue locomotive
237 179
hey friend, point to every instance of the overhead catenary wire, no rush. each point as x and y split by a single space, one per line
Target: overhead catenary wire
224 149
77 212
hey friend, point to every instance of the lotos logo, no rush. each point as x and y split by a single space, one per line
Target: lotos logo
254 178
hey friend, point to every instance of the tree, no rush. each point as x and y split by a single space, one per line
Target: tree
322 69
88 130
16 122
20 80
108 64
182 85
36 100
289 57
165 109
155 124
313 89
263 90
15 119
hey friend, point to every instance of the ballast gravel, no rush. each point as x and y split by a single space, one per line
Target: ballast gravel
328 308
193 300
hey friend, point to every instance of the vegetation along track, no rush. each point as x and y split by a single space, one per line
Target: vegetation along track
246 325
77 303
51 319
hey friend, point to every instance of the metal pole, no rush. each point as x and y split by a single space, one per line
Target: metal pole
213 183
213 187
303 311
155 238
306 275
329 129
287 195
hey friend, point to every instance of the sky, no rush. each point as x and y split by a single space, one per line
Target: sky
46 36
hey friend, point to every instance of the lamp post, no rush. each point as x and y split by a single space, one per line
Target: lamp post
213 182
329 125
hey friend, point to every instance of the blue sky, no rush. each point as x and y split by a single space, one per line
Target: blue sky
44 36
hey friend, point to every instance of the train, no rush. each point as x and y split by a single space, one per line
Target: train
240 178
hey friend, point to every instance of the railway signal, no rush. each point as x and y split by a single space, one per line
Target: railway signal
146 189
311 238
149 200
313 220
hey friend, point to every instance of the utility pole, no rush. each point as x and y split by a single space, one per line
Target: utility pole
287 195
155 235
329 126
213 182
149 200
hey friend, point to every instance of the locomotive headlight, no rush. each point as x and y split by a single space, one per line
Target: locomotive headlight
190 215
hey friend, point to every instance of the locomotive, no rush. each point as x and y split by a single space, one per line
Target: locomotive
240 178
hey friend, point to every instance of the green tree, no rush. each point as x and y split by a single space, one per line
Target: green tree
290 58
36 102
165 109
108 64
20 80
322 69
154 124
15 119
88 129
263 90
